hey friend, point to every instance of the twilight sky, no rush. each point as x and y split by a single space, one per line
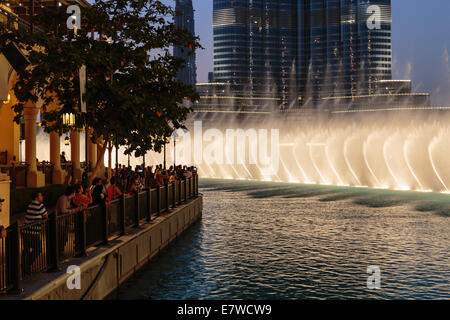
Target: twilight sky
421 44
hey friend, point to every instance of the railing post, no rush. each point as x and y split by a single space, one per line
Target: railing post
185 190
12 191
190 187
82 235
26 174
149 204
196 185
179 192
174 185
13 177
158 199
167 197
54 241
16 256
136 210
122 214
105 222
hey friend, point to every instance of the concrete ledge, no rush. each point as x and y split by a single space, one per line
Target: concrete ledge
106 267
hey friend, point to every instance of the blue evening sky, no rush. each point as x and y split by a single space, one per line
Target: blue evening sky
421 42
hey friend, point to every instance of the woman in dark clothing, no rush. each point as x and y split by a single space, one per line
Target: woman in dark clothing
98 196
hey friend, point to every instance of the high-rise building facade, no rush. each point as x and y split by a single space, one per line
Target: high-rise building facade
302 51
255 46
185 19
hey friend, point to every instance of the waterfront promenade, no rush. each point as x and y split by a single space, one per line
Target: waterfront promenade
35 256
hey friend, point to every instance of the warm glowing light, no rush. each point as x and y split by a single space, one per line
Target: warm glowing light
69 119
287 145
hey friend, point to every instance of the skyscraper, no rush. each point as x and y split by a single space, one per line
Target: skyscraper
255 46
185 19
304 50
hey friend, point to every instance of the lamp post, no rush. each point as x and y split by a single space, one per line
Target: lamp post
175 137
164 156
117 162
85 176
69 119
166 141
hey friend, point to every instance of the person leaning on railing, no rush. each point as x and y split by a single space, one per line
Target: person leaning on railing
98 196
150 177
133 186
113 190
32 241
187 173
81 199
64 204
36 210
2 228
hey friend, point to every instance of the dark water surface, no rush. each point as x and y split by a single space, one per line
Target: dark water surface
282 241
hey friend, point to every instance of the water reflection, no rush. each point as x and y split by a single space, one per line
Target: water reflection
281 241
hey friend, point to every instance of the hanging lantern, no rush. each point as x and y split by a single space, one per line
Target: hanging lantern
67 141
69 119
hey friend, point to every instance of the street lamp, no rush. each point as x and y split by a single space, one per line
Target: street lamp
69 119
164 156
8 99
85 177
166 141
175 137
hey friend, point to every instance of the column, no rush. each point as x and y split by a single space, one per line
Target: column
35 179
5 194
55 158
75 156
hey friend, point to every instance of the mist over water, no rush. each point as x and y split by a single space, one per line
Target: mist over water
396 150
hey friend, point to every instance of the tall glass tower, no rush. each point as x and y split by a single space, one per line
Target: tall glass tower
344 47
255 47
302 50
184 19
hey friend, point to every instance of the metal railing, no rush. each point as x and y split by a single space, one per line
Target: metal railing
18 173
41 246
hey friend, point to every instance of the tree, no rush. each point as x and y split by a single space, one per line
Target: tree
133 96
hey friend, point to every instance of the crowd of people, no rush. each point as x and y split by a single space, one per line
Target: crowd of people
102 191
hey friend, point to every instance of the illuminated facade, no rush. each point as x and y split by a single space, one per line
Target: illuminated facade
302 51
344 47
185 20
255 47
